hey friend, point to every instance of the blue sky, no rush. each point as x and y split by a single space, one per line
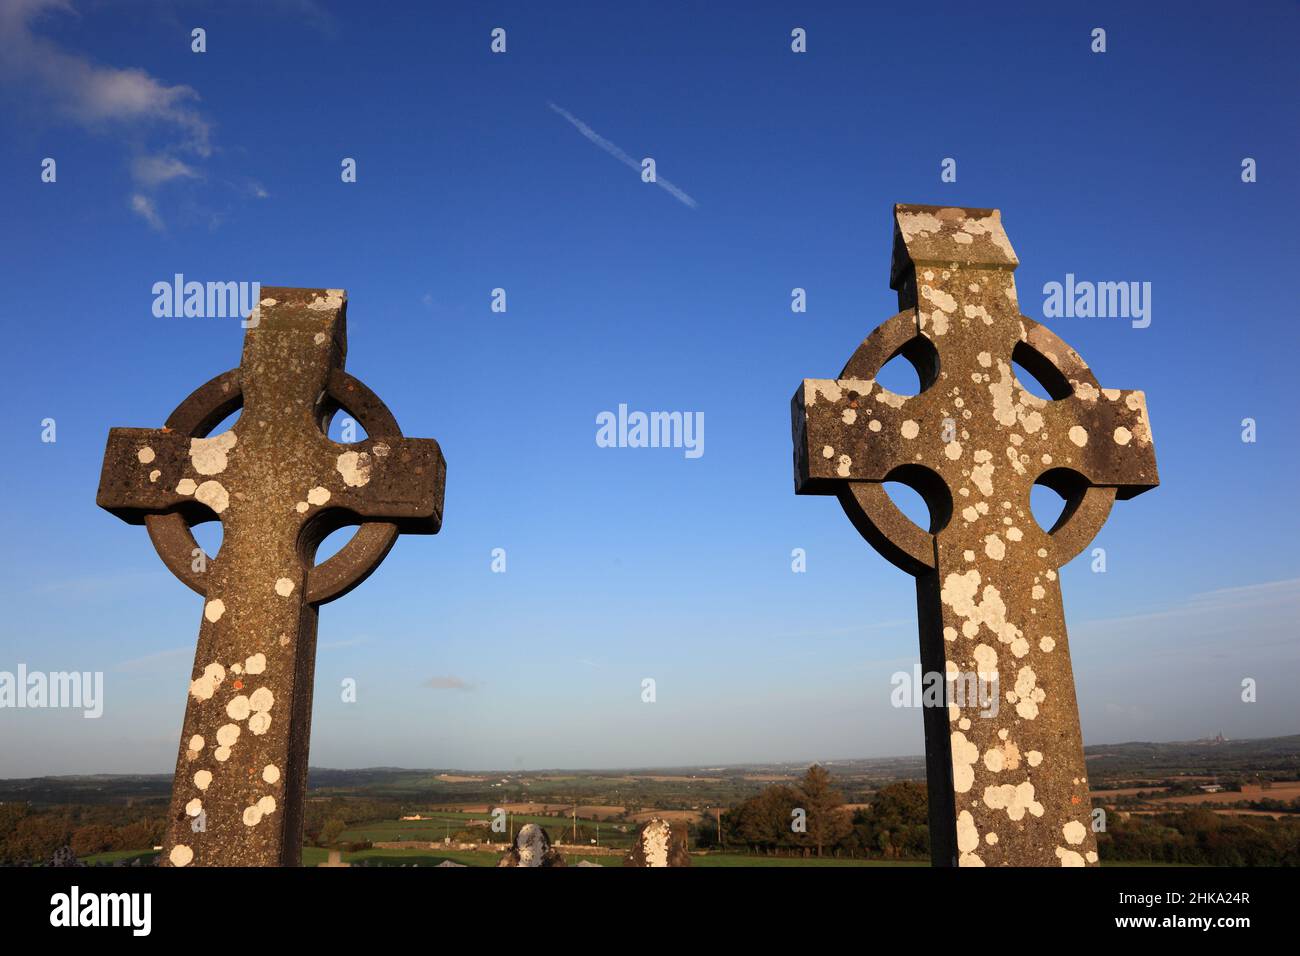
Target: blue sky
625 564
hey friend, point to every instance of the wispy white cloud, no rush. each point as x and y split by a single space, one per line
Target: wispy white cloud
154 170
1269 595
103 99
89 94
145 208
620 155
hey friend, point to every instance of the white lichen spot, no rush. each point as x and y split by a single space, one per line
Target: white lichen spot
300 507
1027 695
255 664
204 686
196 742
1016 800
994 547
844 466
238 709
227 734
1123 436
261 700
271 773
318 496
145 455
319 338
1079 435
952 450
259 723
1068 857
910 429
154 475
354 466
208 455
203 779
214 495
849 416
214 609
1074 832
1046 644
222 754
181 855
332 299
968 837
1034 757
991 838
194 807
185 486
874 425
252 815
986 663
964 755
283 587
828 451
266 804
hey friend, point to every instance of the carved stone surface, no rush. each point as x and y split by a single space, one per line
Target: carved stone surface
531 847
659 842
1008 788
279 486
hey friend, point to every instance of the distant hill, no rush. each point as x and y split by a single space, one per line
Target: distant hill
1276 755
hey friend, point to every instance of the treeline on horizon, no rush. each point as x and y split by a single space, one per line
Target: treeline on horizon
892 826
895 826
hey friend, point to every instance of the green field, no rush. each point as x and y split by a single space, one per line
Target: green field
447 822
314 856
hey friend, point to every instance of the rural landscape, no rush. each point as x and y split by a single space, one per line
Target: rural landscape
1209 802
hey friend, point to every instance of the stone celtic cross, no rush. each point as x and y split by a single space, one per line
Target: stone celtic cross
1007 787
279 486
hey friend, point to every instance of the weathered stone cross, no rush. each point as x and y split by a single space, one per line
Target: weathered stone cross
1008 788
278 485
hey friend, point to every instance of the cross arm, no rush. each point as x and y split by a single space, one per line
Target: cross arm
142 468
399 480
1105 435
848 430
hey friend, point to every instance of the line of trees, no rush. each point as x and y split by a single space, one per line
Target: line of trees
810 819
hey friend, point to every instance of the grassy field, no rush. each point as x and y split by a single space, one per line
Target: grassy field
314 856
441 823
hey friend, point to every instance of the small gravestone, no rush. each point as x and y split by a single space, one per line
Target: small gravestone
65 856
279 486
1006 776
335 859
531 847
659 842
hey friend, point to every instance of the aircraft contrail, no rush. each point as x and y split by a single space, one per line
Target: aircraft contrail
618 154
